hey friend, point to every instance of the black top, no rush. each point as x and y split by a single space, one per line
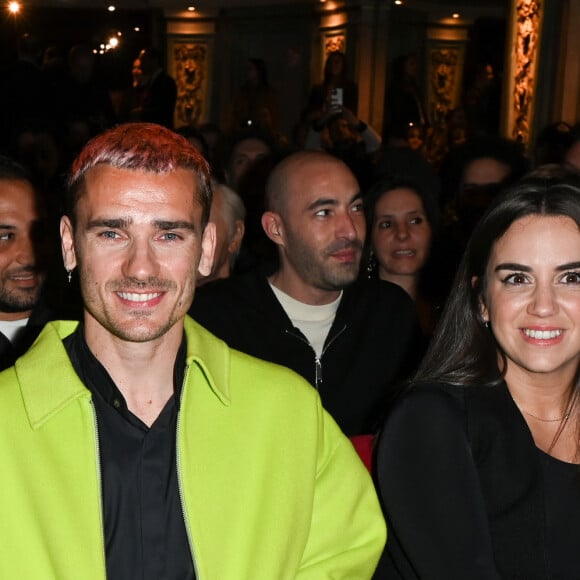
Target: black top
562 486
467 494
372 344
145 535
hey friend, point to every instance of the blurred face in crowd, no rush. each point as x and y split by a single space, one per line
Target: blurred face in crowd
401 234
229 233
244 155
340 132
573 156
485 171
20 228
482 181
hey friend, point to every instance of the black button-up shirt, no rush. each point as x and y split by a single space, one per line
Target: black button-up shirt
145 535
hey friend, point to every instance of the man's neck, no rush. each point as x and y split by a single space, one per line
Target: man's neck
301 291
142 371
12 316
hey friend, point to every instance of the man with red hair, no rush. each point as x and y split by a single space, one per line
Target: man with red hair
138 445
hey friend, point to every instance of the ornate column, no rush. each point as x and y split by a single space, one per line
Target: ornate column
189 55
523 55
446 41
372 63
570 64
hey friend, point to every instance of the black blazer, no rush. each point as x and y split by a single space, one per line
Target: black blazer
461 484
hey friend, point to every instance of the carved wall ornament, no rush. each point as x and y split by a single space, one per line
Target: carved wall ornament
444 76
527 33
334 43
190 65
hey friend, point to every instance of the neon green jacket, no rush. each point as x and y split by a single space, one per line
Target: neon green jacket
271 488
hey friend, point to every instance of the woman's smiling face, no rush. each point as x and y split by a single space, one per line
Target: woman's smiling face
532 298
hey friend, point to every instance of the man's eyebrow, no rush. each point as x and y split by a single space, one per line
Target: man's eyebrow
7 227
512 266
174 225
332 201
120 223
322 201
113 223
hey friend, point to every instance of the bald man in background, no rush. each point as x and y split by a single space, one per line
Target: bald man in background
352 339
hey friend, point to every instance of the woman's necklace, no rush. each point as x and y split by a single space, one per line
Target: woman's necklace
563 419
558 419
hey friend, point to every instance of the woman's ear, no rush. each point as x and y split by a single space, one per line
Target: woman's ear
483 312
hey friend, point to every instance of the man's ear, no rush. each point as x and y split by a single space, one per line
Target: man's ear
236 240
69 256
483 312
207 250
272 224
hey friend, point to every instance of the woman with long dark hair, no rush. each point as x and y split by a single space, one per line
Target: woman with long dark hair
402 219
477 464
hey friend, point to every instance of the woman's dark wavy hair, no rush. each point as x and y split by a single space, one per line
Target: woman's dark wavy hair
463 351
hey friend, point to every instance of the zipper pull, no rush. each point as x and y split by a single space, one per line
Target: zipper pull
318 376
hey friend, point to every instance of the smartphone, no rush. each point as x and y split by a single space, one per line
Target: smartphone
336 97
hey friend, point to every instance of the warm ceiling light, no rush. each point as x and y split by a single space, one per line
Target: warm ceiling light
113 42
398 2
456 15
111 8
14 7
191 8
119 33
137 29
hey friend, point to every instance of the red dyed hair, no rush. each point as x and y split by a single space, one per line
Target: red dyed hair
140 147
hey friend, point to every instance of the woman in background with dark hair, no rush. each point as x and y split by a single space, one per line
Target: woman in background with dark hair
255 103
322 97
402 219
405 102
477 464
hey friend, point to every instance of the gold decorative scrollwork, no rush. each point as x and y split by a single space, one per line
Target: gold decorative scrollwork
443 88
334 43
526 49
190 66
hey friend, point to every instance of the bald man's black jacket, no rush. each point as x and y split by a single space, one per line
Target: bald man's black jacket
372 345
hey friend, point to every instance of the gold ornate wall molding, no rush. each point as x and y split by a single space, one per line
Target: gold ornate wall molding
189 66
334 42
523 56
444 73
